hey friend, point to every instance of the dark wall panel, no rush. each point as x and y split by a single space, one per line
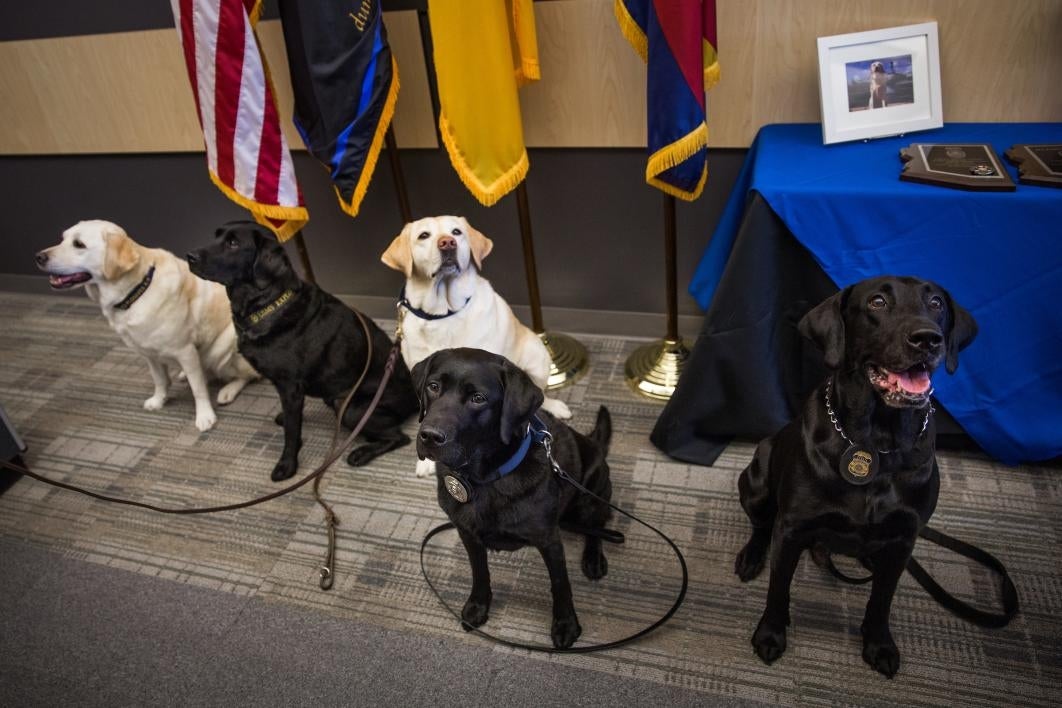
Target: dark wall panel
597 226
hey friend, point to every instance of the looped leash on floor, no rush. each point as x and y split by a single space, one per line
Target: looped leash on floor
328 569
605 534
958 607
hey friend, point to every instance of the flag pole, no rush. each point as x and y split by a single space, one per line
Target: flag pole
397 174
304 257
653 370
568 358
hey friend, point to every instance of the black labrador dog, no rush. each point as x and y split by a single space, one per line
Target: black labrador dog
305 341
855 472
479 425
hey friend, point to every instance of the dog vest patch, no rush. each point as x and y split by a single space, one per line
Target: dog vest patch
858 465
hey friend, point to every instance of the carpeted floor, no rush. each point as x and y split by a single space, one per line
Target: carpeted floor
110 605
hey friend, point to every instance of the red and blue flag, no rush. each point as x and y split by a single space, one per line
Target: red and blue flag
677 40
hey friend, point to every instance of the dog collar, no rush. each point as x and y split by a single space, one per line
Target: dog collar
461 489
259 315
135 294
859 463
403 302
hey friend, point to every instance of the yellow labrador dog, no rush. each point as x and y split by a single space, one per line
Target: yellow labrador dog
157 307
449 304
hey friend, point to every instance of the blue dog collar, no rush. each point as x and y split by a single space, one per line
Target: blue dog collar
461 490
403 302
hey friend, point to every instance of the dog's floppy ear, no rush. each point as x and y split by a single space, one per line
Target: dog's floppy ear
399 255
270 262
961 331
522 399
120 255
824 325
478 244
420 372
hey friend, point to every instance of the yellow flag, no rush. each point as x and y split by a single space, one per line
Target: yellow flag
484 50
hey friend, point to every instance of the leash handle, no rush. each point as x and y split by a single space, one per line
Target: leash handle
959 608
547 443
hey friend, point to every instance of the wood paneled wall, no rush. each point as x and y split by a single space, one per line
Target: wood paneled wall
128 92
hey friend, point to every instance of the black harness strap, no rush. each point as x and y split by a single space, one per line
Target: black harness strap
605 534
958 607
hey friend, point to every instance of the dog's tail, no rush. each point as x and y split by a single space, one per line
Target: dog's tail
602 432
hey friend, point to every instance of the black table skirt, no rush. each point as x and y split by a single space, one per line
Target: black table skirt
750 370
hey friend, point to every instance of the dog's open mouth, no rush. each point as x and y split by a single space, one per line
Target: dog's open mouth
448 267
68 280
908 387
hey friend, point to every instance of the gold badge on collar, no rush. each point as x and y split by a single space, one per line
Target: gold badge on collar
456 488
858 465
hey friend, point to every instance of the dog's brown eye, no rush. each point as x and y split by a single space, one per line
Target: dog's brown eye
935 303
877 302
231 242
433 386
78 244
423 235
478 398
456 232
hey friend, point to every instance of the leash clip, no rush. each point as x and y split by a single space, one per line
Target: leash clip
547 444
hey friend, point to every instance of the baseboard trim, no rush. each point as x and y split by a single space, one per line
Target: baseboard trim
645 325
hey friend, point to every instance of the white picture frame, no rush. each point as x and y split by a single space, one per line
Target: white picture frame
880 83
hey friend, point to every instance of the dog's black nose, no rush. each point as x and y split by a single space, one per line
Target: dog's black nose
433 437
925 339
41 258
191 257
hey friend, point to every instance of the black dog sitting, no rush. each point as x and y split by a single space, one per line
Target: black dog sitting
479 424
305 341
855 473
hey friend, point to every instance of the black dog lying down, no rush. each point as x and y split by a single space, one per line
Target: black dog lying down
809 487
495 484
305 341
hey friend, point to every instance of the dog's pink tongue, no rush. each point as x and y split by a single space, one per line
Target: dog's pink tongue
917 382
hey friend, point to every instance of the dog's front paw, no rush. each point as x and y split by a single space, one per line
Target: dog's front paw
474 613
229 391
285 469
557 408
205 421
595 565
750 560
881 653
768 641
565 631
154 403
362 455
425 468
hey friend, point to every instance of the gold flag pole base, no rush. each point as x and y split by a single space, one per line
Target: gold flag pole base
568 359
653 370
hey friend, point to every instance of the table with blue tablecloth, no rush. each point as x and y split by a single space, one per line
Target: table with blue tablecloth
805 219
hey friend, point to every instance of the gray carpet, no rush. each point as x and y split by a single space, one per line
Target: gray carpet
118 606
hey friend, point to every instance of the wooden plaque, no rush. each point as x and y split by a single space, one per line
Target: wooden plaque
974 167
1038 164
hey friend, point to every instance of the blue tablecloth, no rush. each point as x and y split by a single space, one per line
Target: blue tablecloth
999 254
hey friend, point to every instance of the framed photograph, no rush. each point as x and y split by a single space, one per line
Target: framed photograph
878 83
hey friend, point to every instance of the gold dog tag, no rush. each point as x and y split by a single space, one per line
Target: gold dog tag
858 465
456 488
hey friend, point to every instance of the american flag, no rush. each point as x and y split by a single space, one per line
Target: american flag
247 155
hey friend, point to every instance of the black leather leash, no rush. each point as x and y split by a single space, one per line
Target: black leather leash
958 607
327 570
605 534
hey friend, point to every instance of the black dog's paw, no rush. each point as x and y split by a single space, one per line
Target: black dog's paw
565 631
750 561
768 641
279 420
595 565
361 455
882 655
284 470
474 613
